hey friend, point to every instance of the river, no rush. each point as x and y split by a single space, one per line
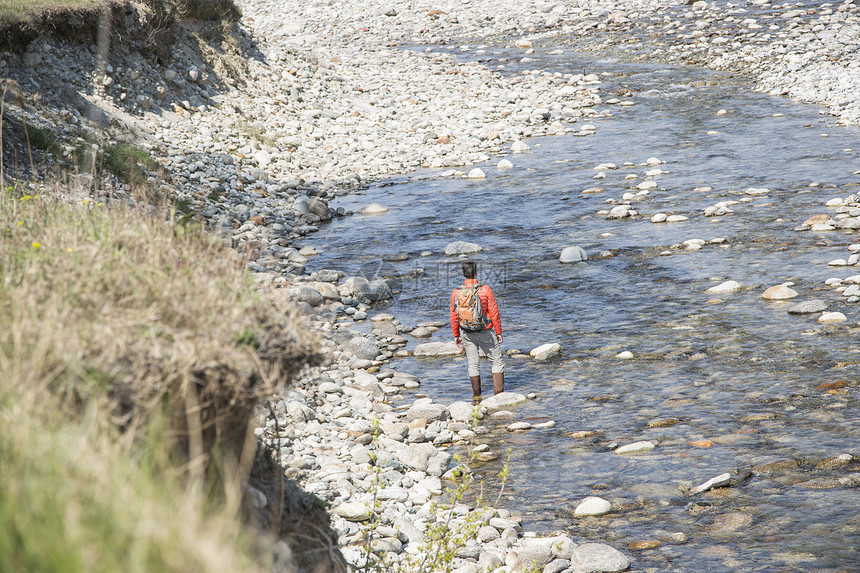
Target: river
719 386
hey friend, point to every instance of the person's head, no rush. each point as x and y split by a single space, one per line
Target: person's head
470 269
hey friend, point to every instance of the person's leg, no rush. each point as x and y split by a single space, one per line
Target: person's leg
493 350
471 348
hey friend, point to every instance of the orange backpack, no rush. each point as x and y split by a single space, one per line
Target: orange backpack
470 315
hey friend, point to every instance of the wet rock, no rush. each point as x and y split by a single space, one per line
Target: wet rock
725 287
592 506
373 209
573 254
808 307
779 292
503 400
636 448
462 248
732 521
421 332
722 480
546 351
519 147
830 317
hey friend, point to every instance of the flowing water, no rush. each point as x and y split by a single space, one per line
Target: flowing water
718 386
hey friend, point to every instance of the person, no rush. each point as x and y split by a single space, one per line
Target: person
483 331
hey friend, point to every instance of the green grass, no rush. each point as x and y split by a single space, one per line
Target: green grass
132 356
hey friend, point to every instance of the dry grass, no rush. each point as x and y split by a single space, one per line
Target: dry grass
132 354
27 11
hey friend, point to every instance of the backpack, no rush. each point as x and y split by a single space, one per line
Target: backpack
470 315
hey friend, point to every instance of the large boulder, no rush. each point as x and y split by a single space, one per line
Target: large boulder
361 288
546 351
428 411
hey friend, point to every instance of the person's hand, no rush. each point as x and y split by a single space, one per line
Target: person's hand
458 342
499 336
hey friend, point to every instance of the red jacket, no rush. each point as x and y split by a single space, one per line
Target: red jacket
488 305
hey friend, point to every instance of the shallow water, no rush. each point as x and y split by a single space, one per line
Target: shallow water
741 374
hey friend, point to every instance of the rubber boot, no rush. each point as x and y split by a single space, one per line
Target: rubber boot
498 382
476 386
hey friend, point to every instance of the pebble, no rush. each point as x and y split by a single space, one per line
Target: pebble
591 506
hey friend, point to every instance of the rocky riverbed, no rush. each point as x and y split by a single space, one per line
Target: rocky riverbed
319 98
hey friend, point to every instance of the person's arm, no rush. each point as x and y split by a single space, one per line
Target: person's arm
493 313
455 324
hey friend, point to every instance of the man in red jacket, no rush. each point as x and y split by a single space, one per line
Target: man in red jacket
475 324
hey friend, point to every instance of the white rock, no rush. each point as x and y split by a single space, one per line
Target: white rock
430 349
779 292
573 254
519 147
373 209
519 426
592 506
635 448
721 480
624 355
725 287
503 400
675 218
546 351
476 173
504 164
462 248
353 511
659 218
832 317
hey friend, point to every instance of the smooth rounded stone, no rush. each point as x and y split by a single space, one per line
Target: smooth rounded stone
732 521
373 209
725 287
546 351
779 292
659 218
636 448
676 218
361 347
592 506
838 263
359 315
822 227
421 332
476 173
309 295
816 219
504 164
503 523
573 254
435 349
430 412
353 511
488 533
519 427
808 307
503 400
624 355
645 185
519 147
462 248
599 558
532 557
619 212
593 190
463 411
832 317
489 561
384 329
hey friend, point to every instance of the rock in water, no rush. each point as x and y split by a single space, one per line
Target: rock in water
779 292
808 307
573 254
503 400
437 349
599 557
373 209
593 506
546 351
519 147
462 248
725 287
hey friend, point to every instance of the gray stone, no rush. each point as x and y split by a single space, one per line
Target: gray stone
462 248
462 411
592 506
429 412
808 307
432 349
417 456
503 400
352 511
532 557
309 295
573 254
361 347
599 557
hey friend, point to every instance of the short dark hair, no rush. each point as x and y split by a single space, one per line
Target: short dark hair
470 269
